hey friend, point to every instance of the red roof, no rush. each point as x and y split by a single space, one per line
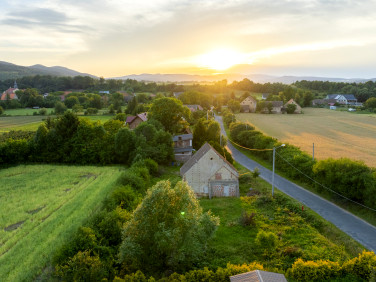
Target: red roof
9 93
130 119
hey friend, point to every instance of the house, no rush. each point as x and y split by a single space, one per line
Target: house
183 147
344 99
134 121
258 276
318 102
194 108
177 94
10 93
276 107
65 93
298 109
210 174
265 96
104 92
248 105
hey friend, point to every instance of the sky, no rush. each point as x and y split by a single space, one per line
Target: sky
113 38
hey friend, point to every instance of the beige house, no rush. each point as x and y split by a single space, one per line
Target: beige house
248 105
298 109
210 174
276 107
134 121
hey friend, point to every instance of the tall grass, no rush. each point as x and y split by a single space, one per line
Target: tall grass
49 203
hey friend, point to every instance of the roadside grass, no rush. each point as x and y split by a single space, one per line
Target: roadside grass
42 206
335 134
301 233
361 212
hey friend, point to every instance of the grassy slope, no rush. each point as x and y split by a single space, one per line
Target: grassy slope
301 233
335 134
26 250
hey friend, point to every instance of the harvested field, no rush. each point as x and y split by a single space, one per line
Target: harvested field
336 134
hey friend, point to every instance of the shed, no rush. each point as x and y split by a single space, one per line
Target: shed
210 174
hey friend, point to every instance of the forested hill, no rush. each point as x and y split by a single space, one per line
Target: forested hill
12 71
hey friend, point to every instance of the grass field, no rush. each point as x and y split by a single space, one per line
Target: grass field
25 112
41 206
31 123
335 134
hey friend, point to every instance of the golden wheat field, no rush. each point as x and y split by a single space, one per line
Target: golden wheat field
335 134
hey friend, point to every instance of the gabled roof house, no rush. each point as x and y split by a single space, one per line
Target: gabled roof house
134 121
210 174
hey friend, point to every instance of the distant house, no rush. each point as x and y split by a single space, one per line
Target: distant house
104 92
276 107
210 174
248 105
318 102
258 276
177 94
183 147
265 96
344 99
298 109
65 93
10 93
134 121
194 108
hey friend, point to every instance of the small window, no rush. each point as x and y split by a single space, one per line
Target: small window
218 176
211 158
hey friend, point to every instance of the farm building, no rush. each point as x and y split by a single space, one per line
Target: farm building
248 105
210 174
298 109
183 147
345 99
134 121
276 107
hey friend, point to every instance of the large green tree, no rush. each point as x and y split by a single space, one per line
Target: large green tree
168 231
171 113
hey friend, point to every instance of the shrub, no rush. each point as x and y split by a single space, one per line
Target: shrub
123 196
136 177
82 267
247 219
91 111
266 240
313 270
1 110
43 111
290 108
363 266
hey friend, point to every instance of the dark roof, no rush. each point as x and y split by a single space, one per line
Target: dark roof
349 96
318 101
198 155
185 149
330 101
130 119
183 137
258 275
251 97
332 96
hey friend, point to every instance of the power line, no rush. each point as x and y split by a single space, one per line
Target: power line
324 185
248 148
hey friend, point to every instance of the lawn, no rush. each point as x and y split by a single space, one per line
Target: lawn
25 112
335 134
301 234
41 207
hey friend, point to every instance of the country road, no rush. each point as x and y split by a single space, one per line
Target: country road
355 227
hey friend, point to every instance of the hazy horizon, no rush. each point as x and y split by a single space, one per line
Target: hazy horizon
117 38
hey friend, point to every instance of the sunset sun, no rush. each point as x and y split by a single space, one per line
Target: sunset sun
220 59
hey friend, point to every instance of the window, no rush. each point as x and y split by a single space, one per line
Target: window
218 176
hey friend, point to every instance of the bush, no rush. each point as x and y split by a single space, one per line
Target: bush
150 164
43 111
136 177
124 197
363 266
314 270
1 110
266 240
248 219
82 267
91 111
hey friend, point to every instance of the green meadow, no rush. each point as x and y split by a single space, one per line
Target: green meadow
41 207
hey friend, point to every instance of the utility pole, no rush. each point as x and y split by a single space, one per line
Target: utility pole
313 151
274 148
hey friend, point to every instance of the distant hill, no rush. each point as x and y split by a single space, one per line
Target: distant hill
260 78
12 71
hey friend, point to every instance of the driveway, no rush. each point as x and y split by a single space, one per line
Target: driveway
352 225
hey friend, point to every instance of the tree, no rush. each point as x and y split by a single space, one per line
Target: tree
370 103
291 108
168 230
234 106
1 110
71 101
60 108
171 113
125 143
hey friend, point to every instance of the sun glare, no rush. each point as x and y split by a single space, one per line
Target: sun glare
220 59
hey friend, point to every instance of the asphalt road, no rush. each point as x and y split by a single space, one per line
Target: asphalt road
355 227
